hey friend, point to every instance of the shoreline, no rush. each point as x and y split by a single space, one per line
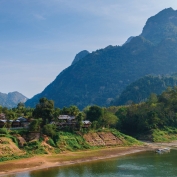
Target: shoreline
67 158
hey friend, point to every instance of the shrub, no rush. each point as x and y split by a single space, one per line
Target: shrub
51 142
3 131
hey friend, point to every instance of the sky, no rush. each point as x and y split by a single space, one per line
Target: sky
40 38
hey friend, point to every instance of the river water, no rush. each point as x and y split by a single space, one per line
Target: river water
143 164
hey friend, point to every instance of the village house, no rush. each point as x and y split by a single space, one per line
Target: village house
86 124
20 122
2 123
70 121
2 116
66 121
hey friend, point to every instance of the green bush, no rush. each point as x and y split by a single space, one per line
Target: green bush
3 131
34 147
51 142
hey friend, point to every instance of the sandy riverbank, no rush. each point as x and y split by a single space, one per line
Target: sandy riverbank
66 158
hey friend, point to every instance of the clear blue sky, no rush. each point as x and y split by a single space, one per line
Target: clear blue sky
40 38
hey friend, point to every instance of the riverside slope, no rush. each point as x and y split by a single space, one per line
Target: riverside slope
101 75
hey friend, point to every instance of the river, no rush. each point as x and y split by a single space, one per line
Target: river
143 164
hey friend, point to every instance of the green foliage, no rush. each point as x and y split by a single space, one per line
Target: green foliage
144 117
34 147
4 131
79 119
49 130
94 113
51 142
165 135
104 73
14 139
45 110
72 142
127 140
14 157
141 89
35 125
108 119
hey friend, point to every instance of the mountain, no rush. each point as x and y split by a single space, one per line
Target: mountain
161 26
141 89
101 75
80 55
128 40
11 99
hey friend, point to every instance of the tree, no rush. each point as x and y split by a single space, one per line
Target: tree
80 118
44 109
108 119
50 130
94 113
153 98
74 110
20 105
35 125
65 111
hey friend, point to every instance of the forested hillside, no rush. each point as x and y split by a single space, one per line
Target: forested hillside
141 89
101 75
158 113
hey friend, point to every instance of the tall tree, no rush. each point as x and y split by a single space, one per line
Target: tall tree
44 109
94 113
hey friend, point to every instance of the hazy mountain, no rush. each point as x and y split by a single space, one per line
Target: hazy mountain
11 99
128 40
80 55
105 73
141 89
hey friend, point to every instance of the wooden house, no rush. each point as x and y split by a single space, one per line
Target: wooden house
86 124
16 123
66 121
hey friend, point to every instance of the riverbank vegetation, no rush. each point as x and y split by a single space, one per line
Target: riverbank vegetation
155 120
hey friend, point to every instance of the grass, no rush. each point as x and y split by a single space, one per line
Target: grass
71 142
166 135
64 141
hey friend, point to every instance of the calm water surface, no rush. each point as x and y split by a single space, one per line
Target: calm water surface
146 164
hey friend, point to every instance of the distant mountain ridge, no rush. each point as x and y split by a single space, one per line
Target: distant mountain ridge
11 99
101 75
